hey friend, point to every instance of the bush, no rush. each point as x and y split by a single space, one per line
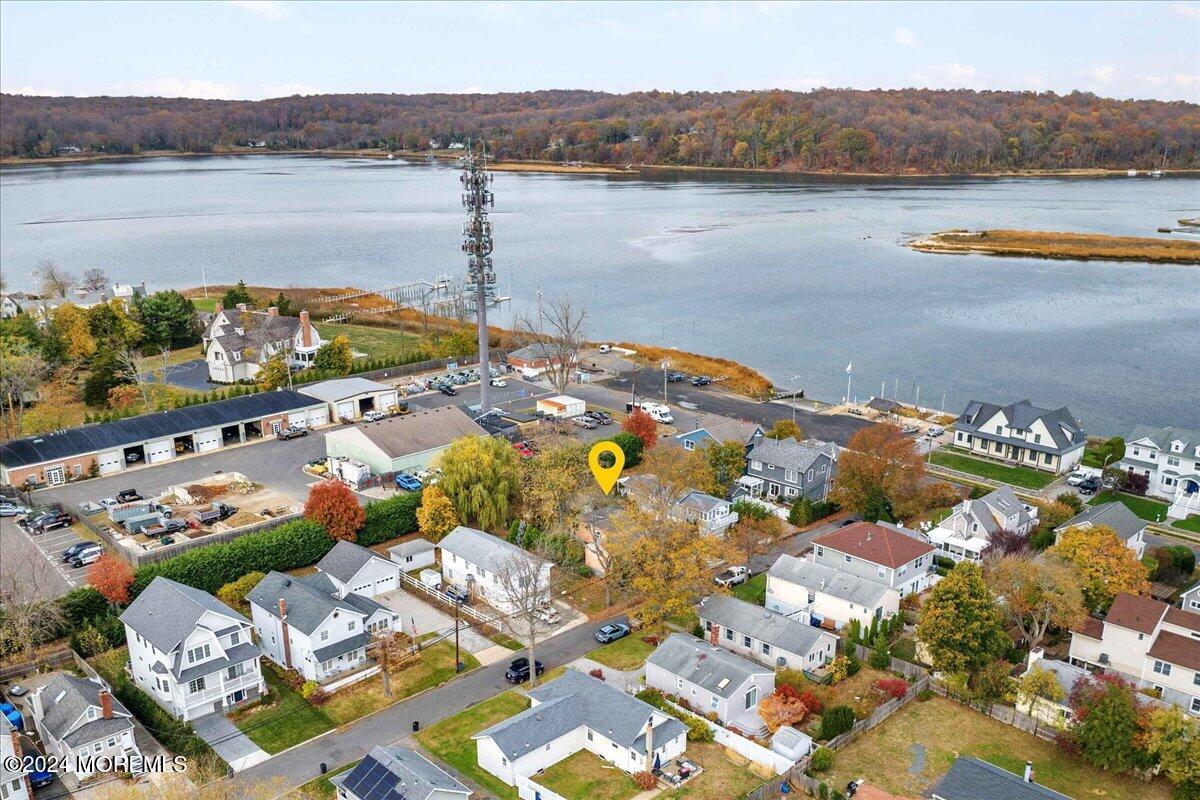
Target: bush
905 650
893 687
822 760
881 657
835 721
823 791
925 694
1134 482
1070 500
853 665
1042 539
645 781
698 730
698 631
307 688
597 673
805 511
387 519
632 446
747 510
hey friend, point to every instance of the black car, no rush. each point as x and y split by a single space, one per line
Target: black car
701 380
600 416
50 521
447 389
75 550
518 670
675 377
1090 485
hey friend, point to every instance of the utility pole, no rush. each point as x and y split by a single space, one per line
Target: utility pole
792 381
477 244
664 366
457 660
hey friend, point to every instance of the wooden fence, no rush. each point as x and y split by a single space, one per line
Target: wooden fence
909 670
52 658
1006 714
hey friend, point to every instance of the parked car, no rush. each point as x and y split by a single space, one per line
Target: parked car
459 380
611 632
50 520
408 483
39 777
133 457
168 527
855 411
88 555
75 550
909 430
1076 478
701 380
935 432
1090 485
676 377
32 515
499 382
584 421
447 390
606 348
108 502
548 614
523 449
292 432
732 576
518 670
457 594
374 416
601 416
216 513
11 509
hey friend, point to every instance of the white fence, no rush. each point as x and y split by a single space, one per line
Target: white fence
528 790
466 611
743 746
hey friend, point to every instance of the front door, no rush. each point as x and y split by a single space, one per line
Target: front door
55 475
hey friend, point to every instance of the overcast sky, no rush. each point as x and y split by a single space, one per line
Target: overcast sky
269 49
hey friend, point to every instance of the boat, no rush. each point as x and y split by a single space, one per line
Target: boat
1155 173
1132 173
391 156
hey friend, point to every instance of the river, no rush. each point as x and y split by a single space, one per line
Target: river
794 277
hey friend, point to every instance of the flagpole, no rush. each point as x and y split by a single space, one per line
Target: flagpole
848 376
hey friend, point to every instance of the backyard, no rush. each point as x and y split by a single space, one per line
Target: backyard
857 691
286 719
721 779
377 343
585 775
450 740
1024 477
914 747
753 591
1144 507
624 654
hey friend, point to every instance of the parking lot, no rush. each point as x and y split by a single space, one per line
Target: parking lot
52 543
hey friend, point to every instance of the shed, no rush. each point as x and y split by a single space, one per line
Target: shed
399 444
791 743
413 554
561 406
350 398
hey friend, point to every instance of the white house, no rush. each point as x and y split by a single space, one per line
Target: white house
1189 599
966 533
1155 645
76 717
578 712
765 636
350 398
711 679
811 592
305 625
237 342
354 569
1170 460
1129 527
190 652
474 560
14 782
394 773
1055 712
710 514
413 554
1023 434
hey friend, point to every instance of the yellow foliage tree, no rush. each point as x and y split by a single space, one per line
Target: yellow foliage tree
481 477
273 375
436 514
1104 566
70 325
551 482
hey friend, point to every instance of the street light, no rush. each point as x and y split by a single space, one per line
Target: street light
792 380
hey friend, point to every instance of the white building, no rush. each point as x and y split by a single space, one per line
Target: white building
354 569
710 514
413 554
14 782
711 680
1023 434
561 406
78 718
1129 527
765 636
305 625
1054 712
394 773
474 560
350 398
966 533
1148 642
190 652
237 342
1170 460
1189 600
577 712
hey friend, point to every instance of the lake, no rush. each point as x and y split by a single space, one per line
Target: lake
794 277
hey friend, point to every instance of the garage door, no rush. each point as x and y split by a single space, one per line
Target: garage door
345 410
318 417
385 584
110 461
162 450
385 401
208 440
298 419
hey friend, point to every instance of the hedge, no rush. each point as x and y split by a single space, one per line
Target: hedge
387 519
835 721
698 729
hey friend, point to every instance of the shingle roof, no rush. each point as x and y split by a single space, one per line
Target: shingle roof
1162 437
346 559
132 430
875 543
342 646
1065 675
725 429
833 582
258 328
533 352
788 453
1177 649
341 388
995 506
414 433
1183 619
307 605
411 547
972 779
77 694
394 773
1140 614
1064 429
1113 515
166 612
706 665
780 632
482 549
700 501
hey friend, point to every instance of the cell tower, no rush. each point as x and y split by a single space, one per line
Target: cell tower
477 244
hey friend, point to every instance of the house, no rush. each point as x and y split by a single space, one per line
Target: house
578 712
402 444
12 303
817 594
79 720
110 447
711 680
718 430
1189 599
354 569
394 773
476 561
305 625
1054 712
790 470
413 554
561 406
893 555
1021 433
1146 641
1129 527
190 652
972 779
14 782
237 342
535 359
709 513
767 637
966 533
350 398
1170 460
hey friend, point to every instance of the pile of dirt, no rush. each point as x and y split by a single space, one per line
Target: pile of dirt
207 492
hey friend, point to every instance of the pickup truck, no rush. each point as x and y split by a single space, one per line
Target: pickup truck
128 496
291 432
219 511
731 576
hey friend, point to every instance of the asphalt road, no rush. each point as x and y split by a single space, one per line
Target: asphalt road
23 563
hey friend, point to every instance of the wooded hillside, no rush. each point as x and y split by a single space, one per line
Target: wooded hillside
917 130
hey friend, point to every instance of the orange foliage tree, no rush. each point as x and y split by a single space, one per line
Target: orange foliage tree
111 577
880 464
778 710
642 426
333 505
1102 563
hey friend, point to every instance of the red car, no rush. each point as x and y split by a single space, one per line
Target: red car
524 449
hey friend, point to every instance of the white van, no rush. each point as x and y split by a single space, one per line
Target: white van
657 411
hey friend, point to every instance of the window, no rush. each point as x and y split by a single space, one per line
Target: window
1049 458
999 429
1162 667
714 702
679 686
91 712
820 550
881 572
766 649
112 741
688 444
746 641
97 747
324 636
196 685
729 634
198 654
756 465
848 559
1037 438
1196 678
589 734
752 697
234 638
789 475
812 597
1196 705
810 474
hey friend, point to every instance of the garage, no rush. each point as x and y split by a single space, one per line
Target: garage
161 450
208 440
318 417
298 419
385 401
110 461
345 409
351 398
386 584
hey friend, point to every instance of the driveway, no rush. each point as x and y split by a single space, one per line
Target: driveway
428 619
228 742
26 565
190 375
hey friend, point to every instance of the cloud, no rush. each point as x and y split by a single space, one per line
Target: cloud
33 91
632 33
283 90
264 9
801 84
1104 73
180 87
951 75
907 38
1191 10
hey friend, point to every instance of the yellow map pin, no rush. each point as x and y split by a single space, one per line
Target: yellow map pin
606 476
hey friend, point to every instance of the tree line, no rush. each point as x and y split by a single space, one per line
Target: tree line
842 130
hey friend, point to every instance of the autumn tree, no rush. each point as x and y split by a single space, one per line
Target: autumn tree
754 536
559 333
93 279
777 710
70 335
727 461
233 594
29 618
551 482
641 425
1037 593
273 375
482 477
334 357
1107 728
668 475
435 515
1173 739
523 581
23 373
333 505
53 280
1039 686
1102 563
785 429
880 465
961 624
111 577
392 651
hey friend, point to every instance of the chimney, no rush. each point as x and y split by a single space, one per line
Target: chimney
273 311
1029 772
219 308
287 645
305 329
1035 656
650 744
105 704
16 746
714 634
241 306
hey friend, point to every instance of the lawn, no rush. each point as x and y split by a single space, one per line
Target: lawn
753 591
436 665
450 740
320 788
1024 477
285 720
1144 507
721 779
584 775
1192 523
938 730
624 654
377 343
205 303
175 357
856 691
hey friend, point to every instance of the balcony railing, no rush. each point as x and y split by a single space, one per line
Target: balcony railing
224 687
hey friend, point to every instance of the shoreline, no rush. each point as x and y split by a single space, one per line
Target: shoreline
1059 245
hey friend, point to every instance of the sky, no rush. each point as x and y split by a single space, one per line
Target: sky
251 50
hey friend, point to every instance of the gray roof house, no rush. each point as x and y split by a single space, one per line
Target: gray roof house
819 594
789 469
711 679
394 773
967 532
476 561
75 716
1051 440
765 636
356 570
1170 460
1129 527
972 779
845 586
